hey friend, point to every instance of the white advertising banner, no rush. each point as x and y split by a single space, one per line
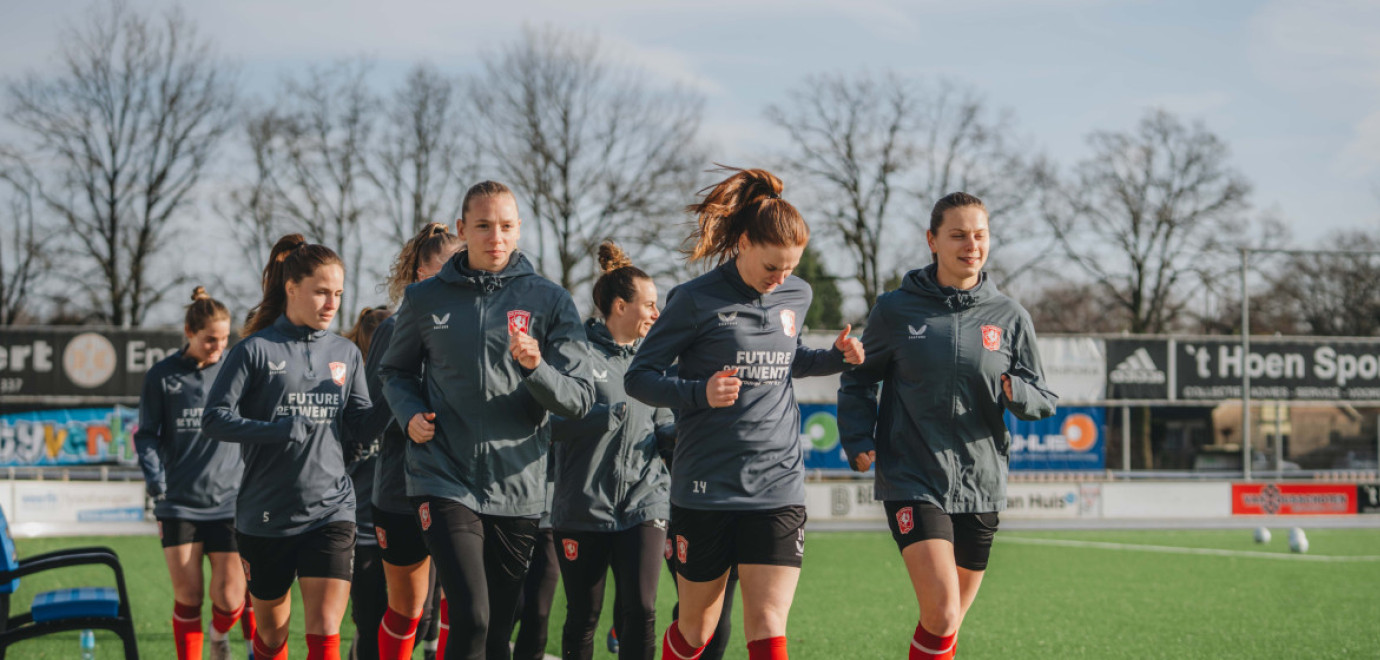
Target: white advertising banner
1075 367
53 502
852 500
1166 500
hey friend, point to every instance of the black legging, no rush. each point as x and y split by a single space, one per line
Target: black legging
534 607
635 555
369 598
481 561
716 647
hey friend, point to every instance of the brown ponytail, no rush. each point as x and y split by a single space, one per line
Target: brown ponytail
363 332
204 310
747 203
619 278
429 242
292 259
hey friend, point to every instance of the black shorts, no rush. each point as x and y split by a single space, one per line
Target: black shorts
400 537
707 543
213 535
272 563
971 533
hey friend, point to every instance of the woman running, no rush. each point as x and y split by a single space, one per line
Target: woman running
283 394
738 478
406 566
479 355
193 480
368 590
952 353
612 489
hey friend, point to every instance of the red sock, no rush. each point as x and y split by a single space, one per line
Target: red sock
247 618
223 621
444 633
673 645
323 647
186 623
928 646
397 634
263 651
771 648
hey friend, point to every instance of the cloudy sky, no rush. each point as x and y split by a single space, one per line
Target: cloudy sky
1293 87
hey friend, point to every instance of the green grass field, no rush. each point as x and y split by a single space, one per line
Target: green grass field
1039 600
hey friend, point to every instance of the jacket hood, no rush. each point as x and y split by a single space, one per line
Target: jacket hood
599 335
298 332
925 282
458 271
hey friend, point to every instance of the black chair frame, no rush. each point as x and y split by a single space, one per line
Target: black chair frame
21 627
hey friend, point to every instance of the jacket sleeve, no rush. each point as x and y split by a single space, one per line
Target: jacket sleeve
561 382
649 378
816 362
1031 398
222 420
664 427
363 419
148 436
601 419
858 387
401 367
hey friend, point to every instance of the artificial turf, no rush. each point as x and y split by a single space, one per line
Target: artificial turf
1037 601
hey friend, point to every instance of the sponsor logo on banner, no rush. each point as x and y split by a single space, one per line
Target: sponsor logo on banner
424 515
991 337
572 549
1271 499
788 322
1139 369
1368 498
1070 440
1075 367
338 373
682 548
905 520
1042 501
102 367
69 437
519 321
89 360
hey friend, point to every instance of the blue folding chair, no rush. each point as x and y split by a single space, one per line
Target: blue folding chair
62 609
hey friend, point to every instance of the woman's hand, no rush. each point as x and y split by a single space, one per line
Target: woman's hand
420 428
851 347
862 462
525 350
1006 386
722 389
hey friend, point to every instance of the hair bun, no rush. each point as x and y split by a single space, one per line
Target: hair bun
199 293
612 257
436 229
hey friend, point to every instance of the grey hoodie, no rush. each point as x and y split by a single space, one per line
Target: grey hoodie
282 395
390 480
746 456
940 353
609 476
449 355
197 476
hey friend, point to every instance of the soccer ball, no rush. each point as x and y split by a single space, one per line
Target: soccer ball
1262 535
1298 542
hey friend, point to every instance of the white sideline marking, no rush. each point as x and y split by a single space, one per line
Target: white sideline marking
1173 550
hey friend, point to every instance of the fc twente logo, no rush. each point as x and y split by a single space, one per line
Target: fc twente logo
338 370
788 322
519 321
991 337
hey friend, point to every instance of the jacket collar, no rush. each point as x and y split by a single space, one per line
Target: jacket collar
925 282
458 271
298 332
598 333
729 271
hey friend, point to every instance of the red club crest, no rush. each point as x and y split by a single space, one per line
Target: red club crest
424 515
682 548
338 373
670 549
519 321
991 337
383 537
572 549
788 322
905 520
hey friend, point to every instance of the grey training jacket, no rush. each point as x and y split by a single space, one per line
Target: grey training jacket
196 476
390 480
282 395
449 355
609 476
746 456
939 354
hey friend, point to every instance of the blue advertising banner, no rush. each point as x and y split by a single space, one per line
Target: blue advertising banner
68 437
819 435
1073 439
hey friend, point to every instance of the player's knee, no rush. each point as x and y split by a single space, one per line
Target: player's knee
697 633
472 620
942 620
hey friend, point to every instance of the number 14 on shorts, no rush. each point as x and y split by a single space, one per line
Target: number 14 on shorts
700 486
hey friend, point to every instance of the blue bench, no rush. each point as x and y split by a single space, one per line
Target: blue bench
62 610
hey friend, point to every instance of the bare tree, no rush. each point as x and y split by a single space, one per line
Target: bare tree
421 164
23 261
593 149
879 151
1149 215
123 133
1330 294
